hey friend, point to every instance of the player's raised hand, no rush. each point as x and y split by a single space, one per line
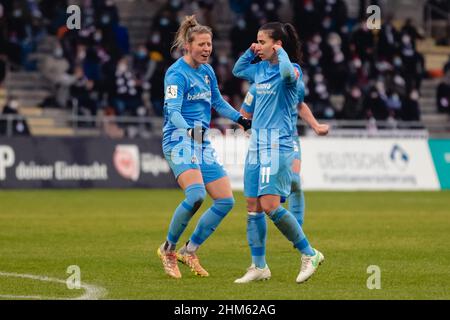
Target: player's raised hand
276 47
245 123
253 48
322 129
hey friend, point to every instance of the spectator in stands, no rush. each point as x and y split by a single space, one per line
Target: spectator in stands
393 104
55 68
18 126
412 31
410 107
412 68
447 66
84 99
239 6
362 42
388 40
353 107
126 95
54 14
141 62
240 36
319 97
306 18
155 73
374 105
334 63
313 52
334 16
165 24
443 94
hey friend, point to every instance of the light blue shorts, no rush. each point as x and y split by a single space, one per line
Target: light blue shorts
268 174
187 155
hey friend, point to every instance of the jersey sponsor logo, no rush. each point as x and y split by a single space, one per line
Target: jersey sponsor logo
264 89
199 96
171 92
248 99
263 86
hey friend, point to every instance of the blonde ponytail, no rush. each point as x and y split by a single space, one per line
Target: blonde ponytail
186 31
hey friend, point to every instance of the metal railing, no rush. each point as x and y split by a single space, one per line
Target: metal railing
117 127
432 9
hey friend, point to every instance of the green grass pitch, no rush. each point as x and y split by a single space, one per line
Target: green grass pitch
112 235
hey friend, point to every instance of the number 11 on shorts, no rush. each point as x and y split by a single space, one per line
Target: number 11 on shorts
265 174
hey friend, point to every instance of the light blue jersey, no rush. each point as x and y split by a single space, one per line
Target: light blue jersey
276 96
250 99
189 95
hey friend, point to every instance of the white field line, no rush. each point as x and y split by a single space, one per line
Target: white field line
92 292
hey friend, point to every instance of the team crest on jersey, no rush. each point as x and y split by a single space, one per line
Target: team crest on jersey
207 79
194 159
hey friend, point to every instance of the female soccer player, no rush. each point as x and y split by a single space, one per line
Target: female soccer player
296 198
191 90
268 174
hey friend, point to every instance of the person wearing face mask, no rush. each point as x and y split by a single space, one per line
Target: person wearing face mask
55 69
240 35
410 29
334 63
165 25
306 17
353 104
375 105
191 90
443 94
82 93
141 60
388 39
364 41
410 107
127 94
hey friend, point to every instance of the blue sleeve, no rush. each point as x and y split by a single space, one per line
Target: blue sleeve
174 84
249 101
218 102
243 68
300 91
287 70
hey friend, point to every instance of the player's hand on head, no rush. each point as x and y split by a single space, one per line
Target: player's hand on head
253 47
322 129
276 47
197 134
245 123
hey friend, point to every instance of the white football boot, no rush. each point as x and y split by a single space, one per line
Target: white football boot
255 274
309 265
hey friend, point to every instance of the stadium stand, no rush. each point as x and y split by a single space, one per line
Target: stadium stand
59 101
